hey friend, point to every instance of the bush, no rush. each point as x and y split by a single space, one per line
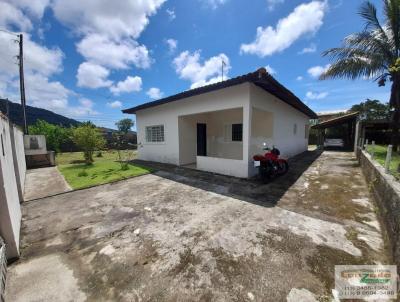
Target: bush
55 135
88 138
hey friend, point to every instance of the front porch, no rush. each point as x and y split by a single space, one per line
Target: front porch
224 141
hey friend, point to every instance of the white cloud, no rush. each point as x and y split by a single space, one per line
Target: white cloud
34 8
11 16
272 3
171 14
305 19
155 93
316 95
37 58
188 66
115 104
299 78
130 84
310 49
93 76
316 71
214 3
121 19
270 70
172 45
119 55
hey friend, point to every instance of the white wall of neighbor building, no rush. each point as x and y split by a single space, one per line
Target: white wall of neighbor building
169 115
10 211
264 117
19 159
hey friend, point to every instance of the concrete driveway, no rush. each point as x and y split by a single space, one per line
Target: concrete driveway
185 235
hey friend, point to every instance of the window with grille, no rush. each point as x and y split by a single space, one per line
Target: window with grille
237 132
155 134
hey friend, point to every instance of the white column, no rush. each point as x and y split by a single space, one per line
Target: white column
247 117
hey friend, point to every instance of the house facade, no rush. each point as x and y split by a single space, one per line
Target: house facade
219 127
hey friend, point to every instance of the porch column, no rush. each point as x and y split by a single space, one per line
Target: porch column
247 117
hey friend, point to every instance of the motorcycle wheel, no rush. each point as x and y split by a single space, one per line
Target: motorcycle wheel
284 168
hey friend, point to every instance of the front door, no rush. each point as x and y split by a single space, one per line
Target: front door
202 139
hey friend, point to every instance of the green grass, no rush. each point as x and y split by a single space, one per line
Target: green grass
105 169
380 157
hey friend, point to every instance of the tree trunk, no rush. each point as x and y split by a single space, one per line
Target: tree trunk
395 103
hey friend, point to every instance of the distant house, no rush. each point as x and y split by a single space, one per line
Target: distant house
219 127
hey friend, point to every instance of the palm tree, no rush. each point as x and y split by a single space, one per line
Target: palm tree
373 53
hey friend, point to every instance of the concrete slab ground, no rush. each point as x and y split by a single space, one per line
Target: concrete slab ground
43 182
184 235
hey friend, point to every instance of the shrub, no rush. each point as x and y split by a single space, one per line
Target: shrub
88 138
55 135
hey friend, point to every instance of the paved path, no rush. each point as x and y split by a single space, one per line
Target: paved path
184 235
44 182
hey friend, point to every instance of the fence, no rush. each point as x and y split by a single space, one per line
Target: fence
384 155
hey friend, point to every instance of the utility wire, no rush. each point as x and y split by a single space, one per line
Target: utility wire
9 32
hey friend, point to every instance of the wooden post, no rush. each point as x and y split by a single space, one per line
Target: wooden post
373 150
388 158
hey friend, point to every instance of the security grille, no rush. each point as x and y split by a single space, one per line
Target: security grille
3 269
155 134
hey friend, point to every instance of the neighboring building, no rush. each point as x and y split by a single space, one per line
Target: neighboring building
219 127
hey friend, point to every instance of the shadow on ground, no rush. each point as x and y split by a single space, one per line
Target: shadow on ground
250 190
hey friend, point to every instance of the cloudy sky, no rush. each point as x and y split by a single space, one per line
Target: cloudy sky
90 59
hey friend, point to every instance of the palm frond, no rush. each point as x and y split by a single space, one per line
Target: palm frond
369 12
353 68
392 14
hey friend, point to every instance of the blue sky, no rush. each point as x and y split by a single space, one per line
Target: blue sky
90 59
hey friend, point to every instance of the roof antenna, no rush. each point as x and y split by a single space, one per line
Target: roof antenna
222 67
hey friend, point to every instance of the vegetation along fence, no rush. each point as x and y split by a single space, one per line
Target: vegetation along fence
384 155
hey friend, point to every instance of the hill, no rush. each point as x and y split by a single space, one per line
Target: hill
33 114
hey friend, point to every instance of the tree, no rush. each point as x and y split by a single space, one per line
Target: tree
124 125
55 135
372 109
89 139
373 53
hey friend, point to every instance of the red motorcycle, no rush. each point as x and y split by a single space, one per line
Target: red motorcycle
270 165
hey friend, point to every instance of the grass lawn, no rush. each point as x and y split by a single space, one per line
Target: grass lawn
105 169
380 157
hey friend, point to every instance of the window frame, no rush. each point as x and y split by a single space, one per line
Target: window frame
234 135
162 133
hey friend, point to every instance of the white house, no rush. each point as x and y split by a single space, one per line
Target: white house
219 127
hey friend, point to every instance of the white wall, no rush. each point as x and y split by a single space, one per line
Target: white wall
19 159
284 118
180 132
167 115
231 167
10 211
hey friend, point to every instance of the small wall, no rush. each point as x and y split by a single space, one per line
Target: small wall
231 167
386 191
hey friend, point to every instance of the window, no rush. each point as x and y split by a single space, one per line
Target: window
237 132
155 134
295 129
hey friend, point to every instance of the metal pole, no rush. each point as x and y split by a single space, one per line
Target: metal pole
21 80
388 158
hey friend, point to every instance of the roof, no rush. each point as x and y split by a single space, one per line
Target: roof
336 121
260 78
